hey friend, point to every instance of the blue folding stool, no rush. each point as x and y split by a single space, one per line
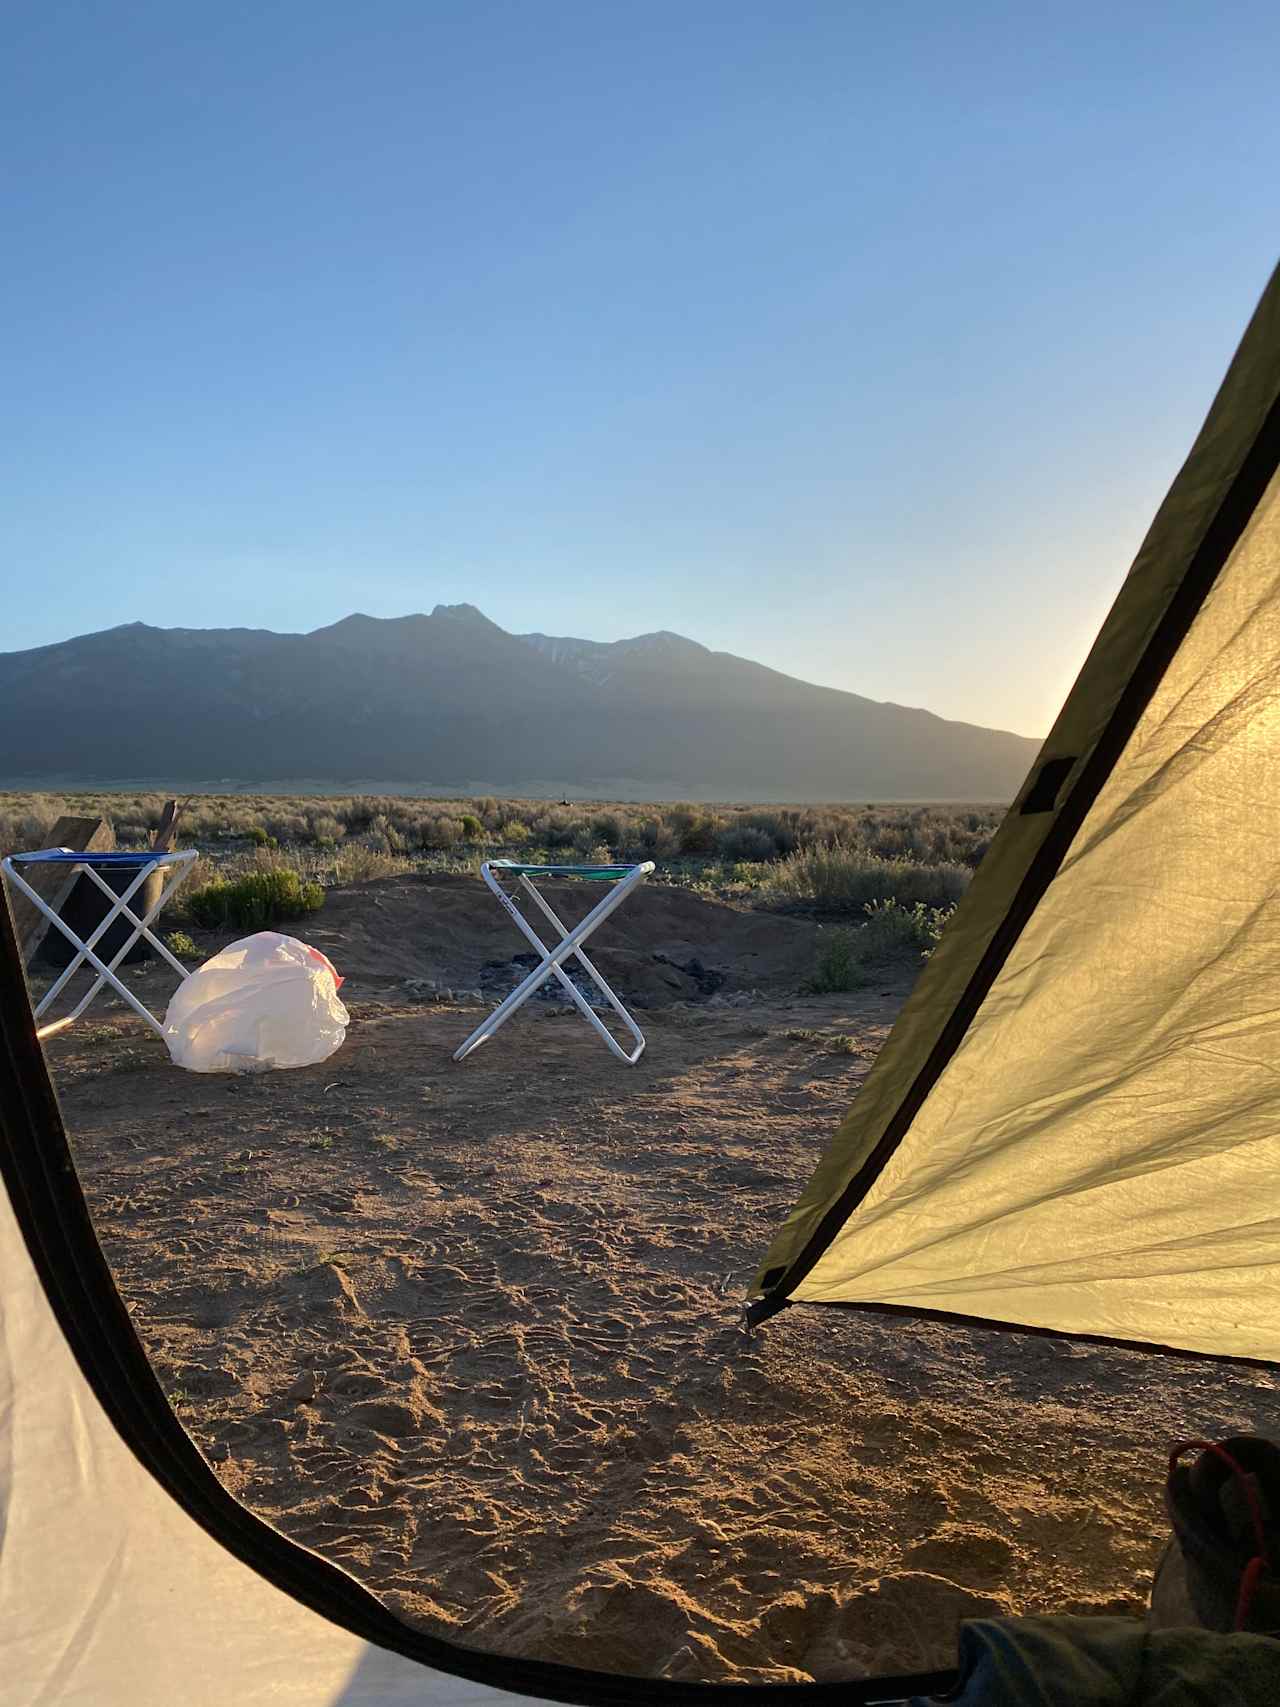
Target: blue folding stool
91 865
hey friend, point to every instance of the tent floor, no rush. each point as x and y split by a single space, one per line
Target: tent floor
472 1332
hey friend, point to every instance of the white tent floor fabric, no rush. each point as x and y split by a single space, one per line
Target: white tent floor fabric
157 1607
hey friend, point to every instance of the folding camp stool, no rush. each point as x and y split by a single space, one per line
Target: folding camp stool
91 864
624 879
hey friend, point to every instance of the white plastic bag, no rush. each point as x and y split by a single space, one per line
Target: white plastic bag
265 1001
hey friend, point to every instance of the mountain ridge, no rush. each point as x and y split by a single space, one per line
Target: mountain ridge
442 698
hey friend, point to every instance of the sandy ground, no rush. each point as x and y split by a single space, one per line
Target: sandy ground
473 1331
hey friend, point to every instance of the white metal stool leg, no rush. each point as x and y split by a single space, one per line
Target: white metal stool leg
580 1002
569 947
119 909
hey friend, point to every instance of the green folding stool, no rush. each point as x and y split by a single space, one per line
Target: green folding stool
624 878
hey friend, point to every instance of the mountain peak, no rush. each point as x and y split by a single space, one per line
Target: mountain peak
462 613
662 640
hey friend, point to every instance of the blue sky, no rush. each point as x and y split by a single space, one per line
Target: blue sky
862 339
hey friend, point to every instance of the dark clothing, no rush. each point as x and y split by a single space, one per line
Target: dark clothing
1110 1662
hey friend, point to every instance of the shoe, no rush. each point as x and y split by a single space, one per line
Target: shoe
1221 1570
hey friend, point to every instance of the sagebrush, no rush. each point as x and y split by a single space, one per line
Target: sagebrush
838 857
254 901
404 823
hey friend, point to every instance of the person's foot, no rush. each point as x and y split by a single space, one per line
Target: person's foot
1221 1570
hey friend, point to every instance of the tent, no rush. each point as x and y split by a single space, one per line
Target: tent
1075 1125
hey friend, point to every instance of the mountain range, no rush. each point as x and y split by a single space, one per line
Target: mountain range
451 701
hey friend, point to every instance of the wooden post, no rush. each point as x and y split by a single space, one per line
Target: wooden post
54 883
167 829
162 841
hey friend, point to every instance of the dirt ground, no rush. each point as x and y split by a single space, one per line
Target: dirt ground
473 1331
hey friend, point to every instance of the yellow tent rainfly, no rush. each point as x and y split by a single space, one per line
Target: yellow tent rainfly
1075 1124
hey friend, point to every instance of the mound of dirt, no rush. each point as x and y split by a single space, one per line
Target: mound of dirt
663 945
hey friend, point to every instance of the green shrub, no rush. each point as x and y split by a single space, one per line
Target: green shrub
252 902
934 926
838 966
260 839
754 874
472 828
895 932
181 946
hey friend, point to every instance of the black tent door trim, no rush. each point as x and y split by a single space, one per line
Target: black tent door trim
1255 474
39 1174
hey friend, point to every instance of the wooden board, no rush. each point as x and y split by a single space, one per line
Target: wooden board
53 883
167 829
